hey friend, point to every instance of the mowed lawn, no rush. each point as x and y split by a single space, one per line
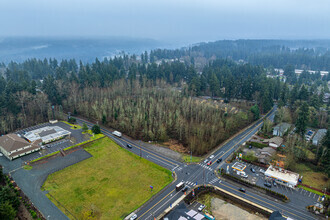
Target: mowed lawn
109 185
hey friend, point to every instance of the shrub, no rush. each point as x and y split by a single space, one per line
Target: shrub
72 120
257 145
96 129
33 214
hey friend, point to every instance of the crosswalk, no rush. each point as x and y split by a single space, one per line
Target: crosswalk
190 183
206 167
214 180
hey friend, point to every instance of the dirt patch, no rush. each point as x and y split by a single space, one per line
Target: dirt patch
223 210
176 146
23 213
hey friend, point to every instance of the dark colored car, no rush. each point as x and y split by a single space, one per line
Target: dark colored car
129 146
253 170
219 160
185 189
242 190
268 185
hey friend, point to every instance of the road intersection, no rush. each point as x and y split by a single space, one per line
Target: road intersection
196 174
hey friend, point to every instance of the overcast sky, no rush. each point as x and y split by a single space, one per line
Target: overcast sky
168 20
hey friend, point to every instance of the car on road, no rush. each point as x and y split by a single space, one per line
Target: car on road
133 217
274 183
268 185
219 160
201 207
209 163
206 160
185 189
129 146
211 157
242 190
253 170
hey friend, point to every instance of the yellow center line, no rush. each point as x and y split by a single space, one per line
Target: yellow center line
155 204
258 199
146 151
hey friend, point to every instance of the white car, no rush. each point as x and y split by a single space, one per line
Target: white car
206 160
1 154
133 217
211 157
201 207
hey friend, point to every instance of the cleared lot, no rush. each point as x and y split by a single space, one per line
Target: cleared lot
108 185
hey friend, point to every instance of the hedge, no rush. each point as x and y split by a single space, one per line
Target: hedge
256 144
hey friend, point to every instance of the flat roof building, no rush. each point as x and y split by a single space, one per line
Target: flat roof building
283 176
14 146
47 134
239 166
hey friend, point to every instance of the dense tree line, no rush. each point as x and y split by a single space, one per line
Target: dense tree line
277 53
157 113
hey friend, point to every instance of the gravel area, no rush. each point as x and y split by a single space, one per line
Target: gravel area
163 151
223 210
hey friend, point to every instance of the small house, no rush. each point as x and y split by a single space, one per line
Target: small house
280 129
319 136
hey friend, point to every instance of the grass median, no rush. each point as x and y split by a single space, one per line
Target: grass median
109 185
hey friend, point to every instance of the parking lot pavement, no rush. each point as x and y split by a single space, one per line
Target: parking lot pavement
297 194
194 206
30 181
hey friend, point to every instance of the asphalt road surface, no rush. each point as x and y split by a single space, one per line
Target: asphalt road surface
204 174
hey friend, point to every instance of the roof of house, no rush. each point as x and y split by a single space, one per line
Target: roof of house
276 140
282 126
11 142
268 150
319 134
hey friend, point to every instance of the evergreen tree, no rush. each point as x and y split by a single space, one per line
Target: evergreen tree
301 122
84 127
96 129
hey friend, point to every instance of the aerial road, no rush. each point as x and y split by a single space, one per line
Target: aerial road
202 173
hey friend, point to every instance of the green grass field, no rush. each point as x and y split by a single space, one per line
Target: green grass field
310 177
187 159
109 185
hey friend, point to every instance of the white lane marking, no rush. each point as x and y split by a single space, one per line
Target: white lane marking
160 160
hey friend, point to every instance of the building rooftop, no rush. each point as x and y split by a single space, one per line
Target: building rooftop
239 166
319 134
46 133
282 126
276 140
11 142
282 174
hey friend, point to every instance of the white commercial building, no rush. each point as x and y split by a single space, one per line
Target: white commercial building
47 134
283 176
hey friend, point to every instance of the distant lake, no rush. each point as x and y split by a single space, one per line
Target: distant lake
85 49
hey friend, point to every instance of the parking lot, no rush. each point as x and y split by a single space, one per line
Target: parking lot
259 179
76 137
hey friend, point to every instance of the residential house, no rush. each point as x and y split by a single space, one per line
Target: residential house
280 129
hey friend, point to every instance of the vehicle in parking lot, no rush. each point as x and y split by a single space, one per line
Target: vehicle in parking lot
43 147
253 170
209 163
250 147
201 207
49 146
129 146
133 217
244 175
1 154
185 189
219 160
274 183
268 185
211 156
262 171
242 190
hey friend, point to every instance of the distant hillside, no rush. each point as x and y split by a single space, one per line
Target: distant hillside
86 49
